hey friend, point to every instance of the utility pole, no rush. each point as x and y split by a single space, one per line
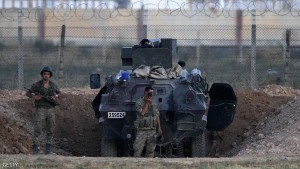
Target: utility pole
142 23
93 4
41 22
30 4
62 6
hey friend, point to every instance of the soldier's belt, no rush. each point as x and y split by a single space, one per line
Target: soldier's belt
146 123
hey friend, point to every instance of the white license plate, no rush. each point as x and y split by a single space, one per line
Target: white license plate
114 115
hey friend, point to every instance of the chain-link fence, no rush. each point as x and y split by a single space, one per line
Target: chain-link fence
217 51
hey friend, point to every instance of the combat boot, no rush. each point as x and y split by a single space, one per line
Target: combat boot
35 149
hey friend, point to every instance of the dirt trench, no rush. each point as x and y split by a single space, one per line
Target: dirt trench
78 133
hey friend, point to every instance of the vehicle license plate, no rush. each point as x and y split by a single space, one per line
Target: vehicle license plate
113 115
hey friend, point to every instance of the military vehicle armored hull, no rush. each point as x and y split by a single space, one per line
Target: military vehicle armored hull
182 101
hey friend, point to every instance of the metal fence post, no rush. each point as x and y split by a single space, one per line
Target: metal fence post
239 33
104 46
287 58
61 52
253 50
20 55
198 49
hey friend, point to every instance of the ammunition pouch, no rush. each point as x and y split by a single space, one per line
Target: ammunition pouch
146 123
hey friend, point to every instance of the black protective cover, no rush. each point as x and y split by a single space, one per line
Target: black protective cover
222 107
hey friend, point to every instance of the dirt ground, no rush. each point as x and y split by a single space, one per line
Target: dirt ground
78 133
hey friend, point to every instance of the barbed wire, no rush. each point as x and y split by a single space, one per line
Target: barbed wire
106 10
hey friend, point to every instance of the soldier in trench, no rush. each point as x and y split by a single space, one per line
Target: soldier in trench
147 124
45 93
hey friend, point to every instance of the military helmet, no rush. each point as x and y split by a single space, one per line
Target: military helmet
46 69
181 63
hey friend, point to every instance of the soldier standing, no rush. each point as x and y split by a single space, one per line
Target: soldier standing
43 91
147 124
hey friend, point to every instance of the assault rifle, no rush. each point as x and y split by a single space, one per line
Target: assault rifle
47 98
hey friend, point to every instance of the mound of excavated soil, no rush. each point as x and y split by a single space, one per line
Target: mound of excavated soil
77 132
277 134
252 108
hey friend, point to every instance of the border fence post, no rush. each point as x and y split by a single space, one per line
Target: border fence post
20 55
61 52
239 29
253 50
287 58
198 55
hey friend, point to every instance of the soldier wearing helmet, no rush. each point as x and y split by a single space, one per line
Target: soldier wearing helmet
41 92
181 63
46 69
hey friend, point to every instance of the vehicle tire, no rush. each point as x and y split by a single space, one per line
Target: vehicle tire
108 148
179 151
199 145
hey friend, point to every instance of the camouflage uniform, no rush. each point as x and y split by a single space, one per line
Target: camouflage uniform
146 129
44 111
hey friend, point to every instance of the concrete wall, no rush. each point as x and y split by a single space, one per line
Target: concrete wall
109 24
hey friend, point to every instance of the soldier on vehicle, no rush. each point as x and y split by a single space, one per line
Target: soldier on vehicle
184 72
147 124
44 93
181 63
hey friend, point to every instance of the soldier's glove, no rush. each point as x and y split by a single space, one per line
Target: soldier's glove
158 137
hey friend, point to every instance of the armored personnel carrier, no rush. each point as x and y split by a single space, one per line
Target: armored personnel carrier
183 102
